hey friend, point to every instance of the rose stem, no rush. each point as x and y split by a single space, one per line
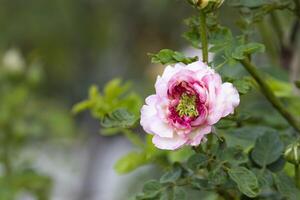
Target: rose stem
268 93
203 35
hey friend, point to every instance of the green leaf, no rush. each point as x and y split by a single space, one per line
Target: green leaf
242 51
193 34
245 136
171 176
179 194
243 85
245 180
151 186
180 155
167 56
115 104
197 161
234 156
130 162
217 176
268 148
286 186
202 184
119 118
151 191
278 165
264 177
167 194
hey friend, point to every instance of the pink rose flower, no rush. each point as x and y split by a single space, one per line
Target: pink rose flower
189 100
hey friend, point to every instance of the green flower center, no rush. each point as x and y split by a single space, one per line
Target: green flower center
187 106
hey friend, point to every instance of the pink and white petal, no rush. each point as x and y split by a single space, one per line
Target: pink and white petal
226 101
170 71
161 84
161 87
169 143
231 98
148 112
196 66
151 121
201 69
213 83
158 127
197 135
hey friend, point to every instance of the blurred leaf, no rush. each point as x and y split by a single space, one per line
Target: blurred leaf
179 194
281 88
171 176
167 56
245 180
242 51
167 194
197 161
264 177
233 156
151 190
223 44
268 148
226 124
152 186
193 34
243 85
217 175
120 118
278 165
201 184
180 155
115 96
286 186
130 162
246 136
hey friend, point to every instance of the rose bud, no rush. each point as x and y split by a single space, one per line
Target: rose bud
292 153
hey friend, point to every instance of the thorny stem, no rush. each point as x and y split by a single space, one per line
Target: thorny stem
267 91
203 35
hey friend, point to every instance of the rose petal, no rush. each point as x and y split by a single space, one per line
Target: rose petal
150 120
197 135
226 101
169 143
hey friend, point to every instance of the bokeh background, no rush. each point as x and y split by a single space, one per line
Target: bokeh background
51 51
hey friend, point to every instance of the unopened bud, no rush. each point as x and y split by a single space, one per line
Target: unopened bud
292 153
207 5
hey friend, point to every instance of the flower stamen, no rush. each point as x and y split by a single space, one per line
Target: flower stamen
187 106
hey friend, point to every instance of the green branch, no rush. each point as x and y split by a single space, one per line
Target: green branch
203 35
267 91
